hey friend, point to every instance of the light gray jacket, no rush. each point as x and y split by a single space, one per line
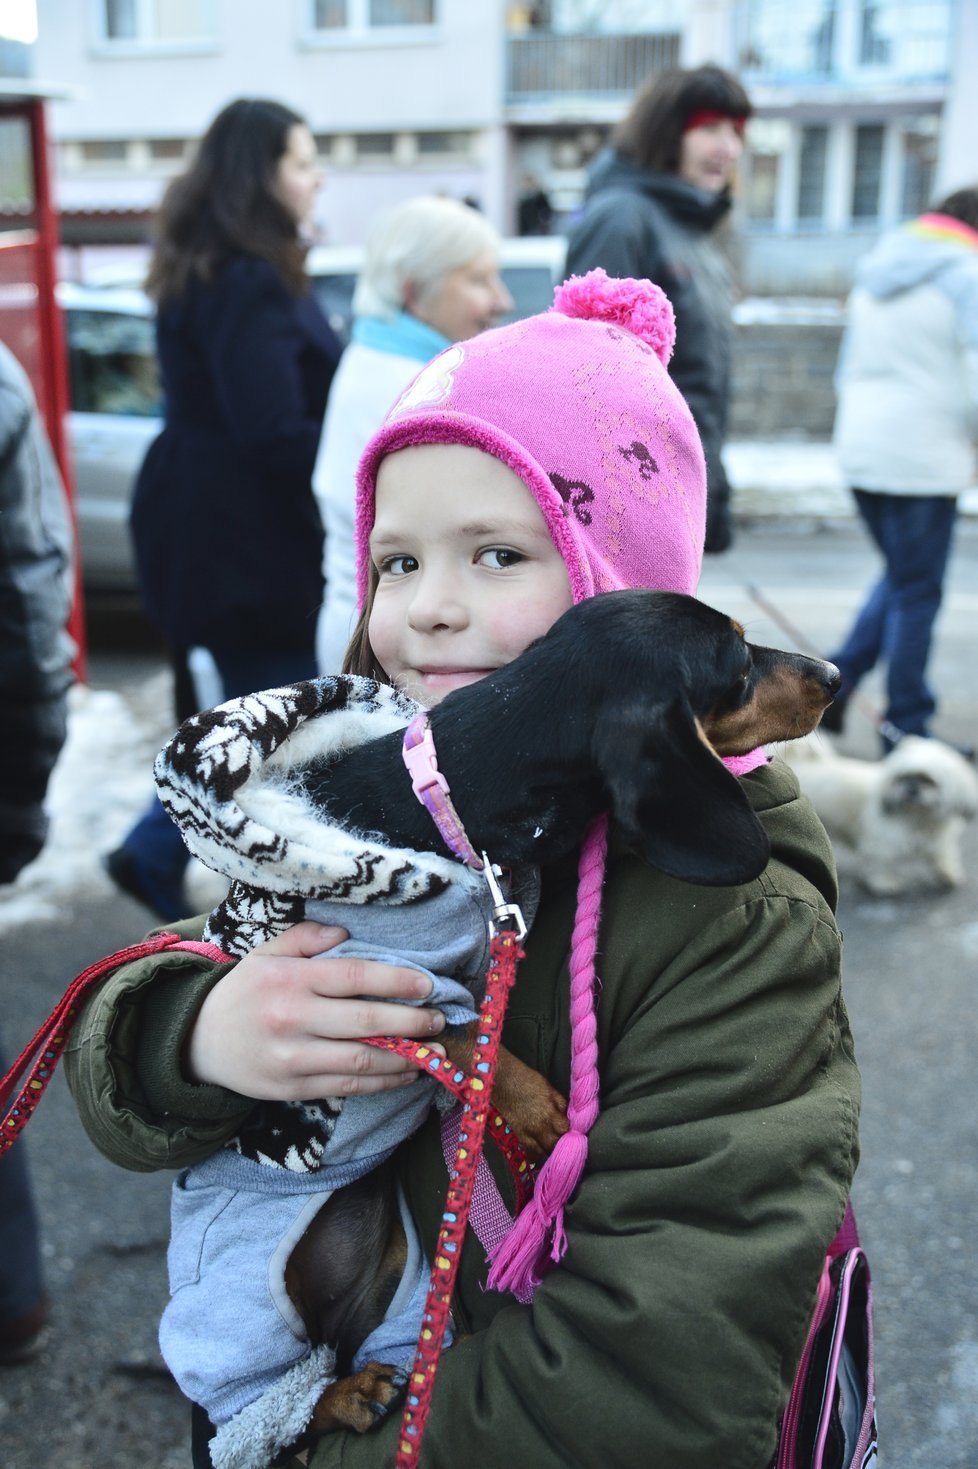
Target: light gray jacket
35 597
908 371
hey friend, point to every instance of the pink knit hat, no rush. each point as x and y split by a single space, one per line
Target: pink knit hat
578 403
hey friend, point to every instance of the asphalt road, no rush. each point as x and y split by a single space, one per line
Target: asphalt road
99 1398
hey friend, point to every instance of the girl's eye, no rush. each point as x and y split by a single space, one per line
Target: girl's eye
398 565
499 557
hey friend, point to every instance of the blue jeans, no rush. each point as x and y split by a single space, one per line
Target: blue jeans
914 534
154 842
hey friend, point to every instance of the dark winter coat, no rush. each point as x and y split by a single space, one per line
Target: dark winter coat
659 227
227 533
35 598
717 1171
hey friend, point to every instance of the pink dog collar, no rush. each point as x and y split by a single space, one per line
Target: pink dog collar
432 790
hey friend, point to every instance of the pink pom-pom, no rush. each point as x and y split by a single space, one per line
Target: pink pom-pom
641 307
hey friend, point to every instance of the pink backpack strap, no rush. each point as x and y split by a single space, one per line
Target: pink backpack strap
848 1235
40 1056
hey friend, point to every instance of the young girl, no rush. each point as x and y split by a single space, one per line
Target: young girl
529 468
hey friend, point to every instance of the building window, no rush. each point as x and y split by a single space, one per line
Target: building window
442 144
811 173
366 15
402 12
769 141
104 150
875 48
762 188
167 150
375 145
845 39
867 171
16 173
782 41
919 167
125 24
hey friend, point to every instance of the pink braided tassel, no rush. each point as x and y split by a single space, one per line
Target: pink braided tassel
520 1259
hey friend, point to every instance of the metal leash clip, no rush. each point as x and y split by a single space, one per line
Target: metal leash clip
504 915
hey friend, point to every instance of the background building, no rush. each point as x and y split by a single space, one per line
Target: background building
865 108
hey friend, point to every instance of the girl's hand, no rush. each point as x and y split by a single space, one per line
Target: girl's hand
284 1026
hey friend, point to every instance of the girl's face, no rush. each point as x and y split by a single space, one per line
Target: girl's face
468 574
298 177
465 302
708 154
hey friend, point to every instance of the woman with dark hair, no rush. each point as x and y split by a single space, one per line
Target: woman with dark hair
226 528
654 207
906 431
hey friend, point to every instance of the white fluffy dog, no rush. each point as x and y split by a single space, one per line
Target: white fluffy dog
896 823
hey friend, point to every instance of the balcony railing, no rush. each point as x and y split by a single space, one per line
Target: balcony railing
540 68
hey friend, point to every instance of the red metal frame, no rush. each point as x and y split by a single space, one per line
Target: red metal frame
31 257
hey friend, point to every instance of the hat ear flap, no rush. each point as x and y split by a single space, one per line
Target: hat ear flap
674 800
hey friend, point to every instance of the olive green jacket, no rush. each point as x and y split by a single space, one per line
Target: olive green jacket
717 1173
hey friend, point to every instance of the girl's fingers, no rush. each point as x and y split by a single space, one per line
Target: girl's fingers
303 940
284 1026
356 1070
341 978
341 1020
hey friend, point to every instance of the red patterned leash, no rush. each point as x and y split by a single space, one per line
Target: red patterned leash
507 929
505 953
456 1081
51 1037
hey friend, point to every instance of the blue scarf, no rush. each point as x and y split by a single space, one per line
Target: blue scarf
402 336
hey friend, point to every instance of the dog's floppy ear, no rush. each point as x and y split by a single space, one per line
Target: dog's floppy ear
675 802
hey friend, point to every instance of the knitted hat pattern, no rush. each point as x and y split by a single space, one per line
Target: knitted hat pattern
578 403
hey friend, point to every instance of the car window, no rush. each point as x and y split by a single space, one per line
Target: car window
335 295
532 290
112 364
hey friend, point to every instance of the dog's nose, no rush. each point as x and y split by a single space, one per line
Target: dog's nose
833 678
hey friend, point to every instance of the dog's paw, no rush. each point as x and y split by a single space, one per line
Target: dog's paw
539 1131
534 1109
357 1402
538 1116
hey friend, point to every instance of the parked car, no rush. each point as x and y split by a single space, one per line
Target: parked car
117 402
116 408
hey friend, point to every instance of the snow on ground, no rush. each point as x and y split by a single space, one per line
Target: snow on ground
102 781
795 478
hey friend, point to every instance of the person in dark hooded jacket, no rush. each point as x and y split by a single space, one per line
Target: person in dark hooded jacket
654 208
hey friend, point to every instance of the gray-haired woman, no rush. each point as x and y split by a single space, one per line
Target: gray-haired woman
430 278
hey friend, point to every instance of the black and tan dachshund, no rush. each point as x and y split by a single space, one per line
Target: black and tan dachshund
626 705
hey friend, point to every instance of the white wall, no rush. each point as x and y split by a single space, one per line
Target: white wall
446 79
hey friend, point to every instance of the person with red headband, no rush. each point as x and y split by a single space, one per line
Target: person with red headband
656 204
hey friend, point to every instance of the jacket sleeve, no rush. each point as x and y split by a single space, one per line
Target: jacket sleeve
717 1175
36 650
253 339
122 1064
